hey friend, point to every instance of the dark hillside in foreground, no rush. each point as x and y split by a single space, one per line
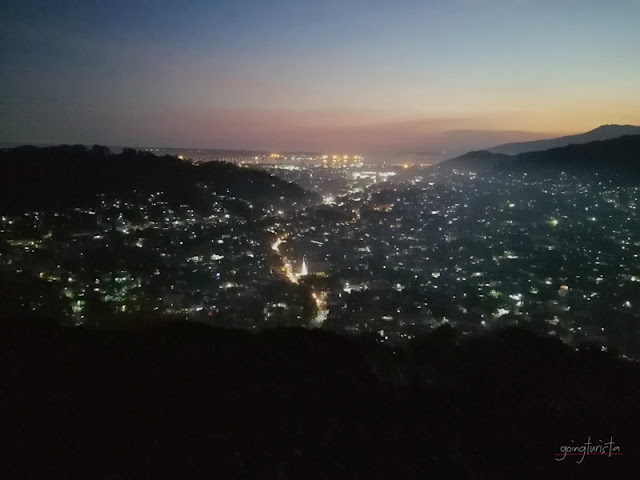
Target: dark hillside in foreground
46 178
185 401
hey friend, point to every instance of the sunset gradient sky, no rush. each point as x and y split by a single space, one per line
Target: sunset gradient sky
348 75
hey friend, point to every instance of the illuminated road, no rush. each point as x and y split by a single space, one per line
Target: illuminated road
290 275
322 312
287 268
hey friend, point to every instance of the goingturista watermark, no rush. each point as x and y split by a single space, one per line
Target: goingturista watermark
588 448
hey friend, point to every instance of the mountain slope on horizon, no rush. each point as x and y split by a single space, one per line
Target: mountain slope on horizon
477 159
615 156
603 132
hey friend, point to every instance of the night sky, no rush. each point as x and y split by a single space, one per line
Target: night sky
349 75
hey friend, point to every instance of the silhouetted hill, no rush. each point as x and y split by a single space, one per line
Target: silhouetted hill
620 156
74 176
187 401
603 132
477 160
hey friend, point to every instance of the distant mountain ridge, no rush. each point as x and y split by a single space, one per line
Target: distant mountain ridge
603 132
618 156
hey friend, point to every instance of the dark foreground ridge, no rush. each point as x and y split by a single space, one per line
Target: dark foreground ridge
188 401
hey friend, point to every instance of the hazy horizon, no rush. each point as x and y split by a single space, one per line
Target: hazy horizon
475 139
